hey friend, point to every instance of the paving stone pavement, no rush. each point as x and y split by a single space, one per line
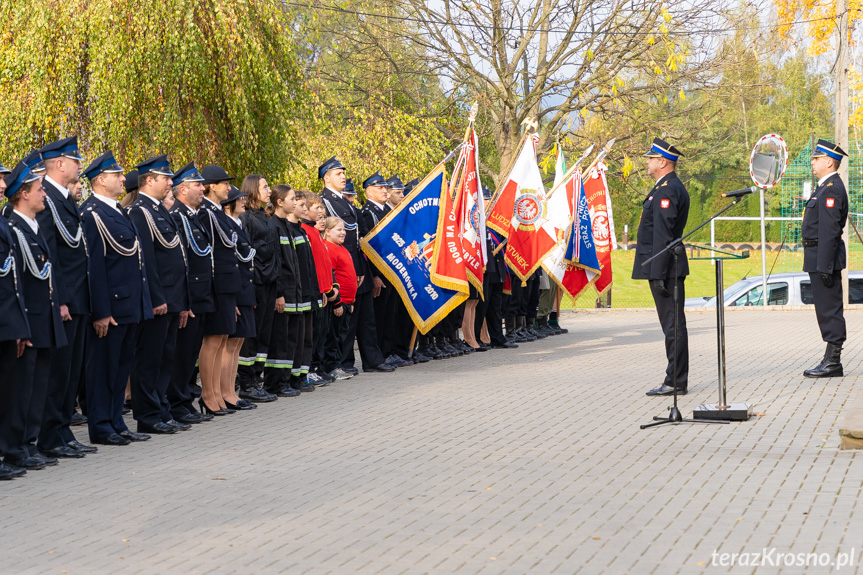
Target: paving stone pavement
524 461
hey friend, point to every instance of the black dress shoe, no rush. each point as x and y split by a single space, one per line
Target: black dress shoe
287 391
258 395
666 390
178 425
46 459
27 463
190 418
382 368
505 345
77 419
160 428
10 471
242 405
113 439
206 416
75 444
64 451
351 370
132 436
482 347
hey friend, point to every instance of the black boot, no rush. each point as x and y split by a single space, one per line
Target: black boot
509 324
830 366
554 323
521 323
543 327
531 329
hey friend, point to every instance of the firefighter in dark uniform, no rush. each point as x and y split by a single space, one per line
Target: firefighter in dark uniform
60 223
21 424
663 218
188 194
165 255
332 172
119 300
14 329
824 253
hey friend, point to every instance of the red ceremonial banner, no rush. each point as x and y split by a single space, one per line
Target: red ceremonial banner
599 201
448 269
470 214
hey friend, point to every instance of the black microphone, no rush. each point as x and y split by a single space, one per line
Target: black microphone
738 193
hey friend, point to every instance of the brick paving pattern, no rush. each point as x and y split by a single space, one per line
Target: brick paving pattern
522 461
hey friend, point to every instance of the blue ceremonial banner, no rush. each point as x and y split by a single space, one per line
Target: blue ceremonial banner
581 248
402 246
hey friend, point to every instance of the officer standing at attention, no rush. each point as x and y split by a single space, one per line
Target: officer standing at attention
14 329
60 223
824 253
22 424
663 218
188 194
119 300
169 294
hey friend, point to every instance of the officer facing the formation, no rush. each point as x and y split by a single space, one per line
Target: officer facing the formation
663 218
824 253
119 300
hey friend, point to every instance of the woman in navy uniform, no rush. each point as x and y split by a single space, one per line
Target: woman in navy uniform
663 217
234 206
223 321
14 329
188 194
824 253
119 301
23 421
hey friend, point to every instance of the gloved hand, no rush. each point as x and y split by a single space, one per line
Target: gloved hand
827 280
659 286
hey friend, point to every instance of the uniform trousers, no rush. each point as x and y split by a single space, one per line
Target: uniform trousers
383 316
151 369
490 311
8 387
829 308
108 363
67 368
546 300
337 340
362 326
321 328
253 353
286 334
22 422
188 346
305 345
400 331
665 311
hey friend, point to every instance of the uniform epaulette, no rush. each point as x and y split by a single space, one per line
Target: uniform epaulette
665 183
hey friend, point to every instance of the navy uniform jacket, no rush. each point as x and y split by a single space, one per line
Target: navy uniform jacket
166 267
663 218
289 284
823 221
355 227
40 296
196 239
13 318
373 214
247 269
70 263
495 268
227 267
118 283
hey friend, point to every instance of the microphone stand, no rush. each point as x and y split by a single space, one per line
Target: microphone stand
676 247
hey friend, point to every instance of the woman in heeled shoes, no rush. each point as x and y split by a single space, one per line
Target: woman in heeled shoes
223 322
234 205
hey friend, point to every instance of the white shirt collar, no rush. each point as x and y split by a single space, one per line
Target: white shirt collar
381 206
218 207
662 178
237 220
108 201
824 179
64 191
335 193
152 199
30 222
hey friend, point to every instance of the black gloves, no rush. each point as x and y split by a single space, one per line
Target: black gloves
827 280
659 286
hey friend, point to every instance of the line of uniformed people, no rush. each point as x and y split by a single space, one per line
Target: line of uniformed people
106 304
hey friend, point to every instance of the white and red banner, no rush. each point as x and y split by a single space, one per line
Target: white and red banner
470 212
602 223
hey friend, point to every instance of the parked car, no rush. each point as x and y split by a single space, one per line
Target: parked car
782 289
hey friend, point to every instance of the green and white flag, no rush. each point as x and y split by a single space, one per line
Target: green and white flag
559 167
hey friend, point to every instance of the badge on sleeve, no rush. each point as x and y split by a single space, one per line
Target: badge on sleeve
830 202
665 203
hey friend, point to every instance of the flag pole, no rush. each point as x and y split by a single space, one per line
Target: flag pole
601 155
571 171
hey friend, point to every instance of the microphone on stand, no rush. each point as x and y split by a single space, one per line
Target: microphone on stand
738 193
